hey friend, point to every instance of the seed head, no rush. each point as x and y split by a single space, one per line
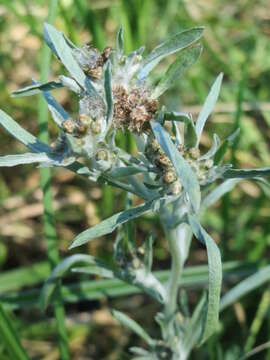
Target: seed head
96 127
169 176
163 161
155 145
68 126
176 188
208 164
85 120
194 153
102 154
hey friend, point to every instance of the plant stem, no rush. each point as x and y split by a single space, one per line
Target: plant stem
45 181
176 269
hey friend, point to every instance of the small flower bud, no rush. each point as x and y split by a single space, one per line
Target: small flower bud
141 250
81 128
155 145
106 53
68 126
181 148
208 164
194 153
85 120
169 176
96 127
102 155
163 160
136 263
176 188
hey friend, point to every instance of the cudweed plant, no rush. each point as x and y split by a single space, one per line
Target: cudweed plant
169 173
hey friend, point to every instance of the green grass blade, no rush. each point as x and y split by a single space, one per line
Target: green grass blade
244 287
10 338
45 181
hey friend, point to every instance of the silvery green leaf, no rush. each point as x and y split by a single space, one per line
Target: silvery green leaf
133 326
70 84
185 173
108 91
208 106
247 173
218 192
37 88
120 41
22 135
95 270
26 158
216 172
109 225
251 283
149 283
176 132
226 143
211 152
59 114
138 351
187 58
148 256
175 43
59 271
64 53
214 277
123 171
190 135
193 329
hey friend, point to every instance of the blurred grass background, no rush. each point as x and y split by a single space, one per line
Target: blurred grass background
237 42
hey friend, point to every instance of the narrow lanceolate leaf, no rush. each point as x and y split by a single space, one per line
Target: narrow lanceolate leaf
190 136
214 277
186 175
244 287
208 106
58 273
37 88
132 325
211 152
10 339
218 192
108 91
58 112
186 59
95 270
247 173
123 171
22 135
109 225
120 41
70 84
26 158
64 53
175 43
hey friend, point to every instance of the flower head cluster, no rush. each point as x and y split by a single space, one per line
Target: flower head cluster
115 93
